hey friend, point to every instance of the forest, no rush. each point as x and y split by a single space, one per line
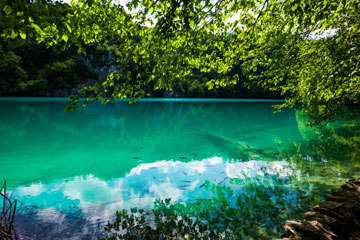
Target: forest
32 69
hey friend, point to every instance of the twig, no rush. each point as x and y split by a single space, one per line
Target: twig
7 230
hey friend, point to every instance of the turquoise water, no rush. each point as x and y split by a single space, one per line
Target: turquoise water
76 169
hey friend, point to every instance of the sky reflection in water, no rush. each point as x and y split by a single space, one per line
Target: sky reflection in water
96 200
144 184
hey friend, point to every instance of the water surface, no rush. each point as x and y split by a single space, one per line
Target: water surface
71 171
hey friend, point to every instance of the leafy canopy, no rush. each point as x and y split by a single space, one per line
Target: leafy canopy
307 50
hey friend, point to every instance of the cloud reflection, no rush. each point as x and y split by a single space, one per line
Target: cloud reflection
180 181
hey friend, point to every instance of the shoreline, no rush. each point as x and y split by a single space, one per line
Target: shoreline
148 99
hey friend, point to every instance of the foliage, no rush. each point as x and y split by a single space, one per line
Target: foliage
28 68
93 60
11 73
307 50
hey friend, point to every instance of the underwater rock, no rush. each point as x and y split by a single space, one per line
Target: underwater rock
336 218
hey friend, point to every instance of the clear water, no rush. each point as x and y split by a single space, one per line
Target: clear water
71 171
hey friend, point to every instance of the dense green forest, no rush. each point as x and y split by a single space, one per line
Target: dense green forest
31 69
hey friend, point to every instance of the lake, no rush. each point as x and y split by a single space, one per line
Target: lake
71 171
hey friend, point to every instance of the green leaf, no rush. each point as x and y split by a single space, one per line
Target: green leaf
13 34
23 35
65 38
68 27
7 9
37 28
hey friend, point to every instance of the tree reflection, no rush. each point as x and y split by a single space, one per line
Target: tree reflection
256 213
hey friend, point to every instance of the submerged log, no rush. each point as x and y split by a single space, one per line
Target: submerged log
337 218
